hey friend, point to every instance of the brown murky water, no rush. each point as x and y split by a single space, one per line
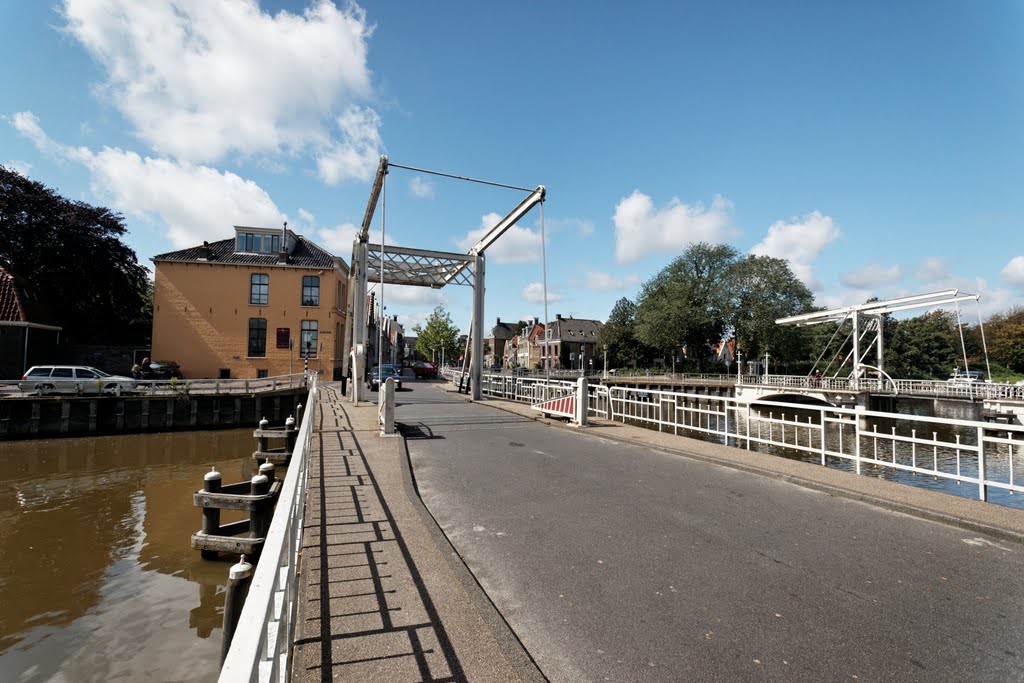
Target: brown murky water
97 578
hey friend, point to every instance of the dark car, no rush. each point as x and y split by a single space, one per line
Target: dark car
164 369
424 370
390 371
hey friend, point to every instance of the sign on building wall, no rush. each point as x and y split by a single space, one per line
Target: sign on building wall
283 335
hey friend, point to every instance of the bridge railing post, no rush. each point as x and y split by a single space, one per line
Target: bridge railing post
982 493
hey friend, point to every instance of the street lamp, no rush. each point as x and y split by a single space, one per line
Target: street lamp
605 361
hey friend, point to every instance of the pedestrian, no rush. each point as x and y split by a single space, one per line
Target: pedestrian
136 371
145 371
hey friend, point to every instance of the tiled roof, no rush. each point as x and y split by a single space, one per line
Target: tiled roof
576 329
306 254
18 303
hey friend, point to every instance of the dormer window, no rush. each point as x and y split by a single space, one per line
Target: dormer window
263 240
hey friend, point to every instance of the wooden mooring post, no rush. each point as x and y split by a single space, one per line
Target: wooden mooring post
281 455
239 579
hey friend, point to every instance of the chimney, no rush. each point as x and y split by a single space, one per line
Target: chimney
558 316
205 252
282 256
499 321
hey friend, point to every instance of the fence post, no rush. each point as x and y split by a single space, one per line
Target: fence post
856 436
581 402
261 440
260 515
239 578
982 494
387 407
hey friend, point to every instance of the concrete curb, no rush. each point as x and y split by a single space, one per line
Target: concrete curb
513 648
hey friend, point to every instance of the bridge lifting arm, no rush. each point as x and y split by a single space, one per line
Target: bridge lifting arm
531 200
371 204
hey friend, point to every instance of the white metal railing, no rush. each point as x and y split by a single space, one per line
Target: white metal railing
179 387
261 647
981 454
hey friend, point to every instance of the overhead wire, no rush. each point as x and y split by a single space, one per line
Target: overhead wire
460 177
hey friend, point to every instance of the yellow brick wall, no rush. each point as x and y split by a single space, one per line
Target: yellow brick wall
201 315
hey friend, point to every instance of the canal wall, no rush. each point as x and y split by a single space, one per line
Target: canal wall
45 417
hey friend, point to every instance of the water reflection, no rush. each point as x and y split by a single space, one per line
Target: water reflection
97 576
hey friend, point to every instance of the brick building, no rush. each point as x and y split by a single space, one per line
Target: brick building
256 305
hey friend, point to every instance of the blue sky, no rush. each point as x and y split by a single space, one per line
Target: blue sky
877 146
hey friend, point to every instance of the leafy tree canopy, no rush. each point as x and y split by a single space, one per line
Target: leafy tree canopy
763 290
1005 338
926 346
619 335
72 256
438 333
687 304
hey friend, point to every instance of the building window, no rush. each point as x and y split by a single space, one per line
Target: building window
254 243
310 290
257 337
260 374
308 338
259 289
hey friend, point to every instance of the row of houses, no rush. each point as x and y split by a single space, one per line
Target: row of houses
565 343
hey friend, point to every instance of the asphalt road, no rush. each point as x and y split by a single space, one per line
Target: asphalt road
619 563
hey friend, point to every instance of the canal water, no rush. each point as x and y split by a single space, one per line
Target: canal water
98 580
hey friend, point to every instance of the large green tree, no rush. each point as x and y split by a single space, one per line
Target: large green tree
619 336
924 347
763 290
687 304
437 335
1005 338
72 256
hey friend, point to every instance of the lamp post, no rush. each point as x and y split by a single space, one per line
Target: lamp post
605 375
739 366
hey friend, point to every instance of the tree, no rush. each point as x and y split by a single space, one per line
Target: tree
1005 337
439 334
619 335
927 346
72 256
763 290
687 304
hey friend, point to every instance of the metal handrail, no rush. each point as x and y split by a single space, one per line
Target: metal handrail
261 646
976 445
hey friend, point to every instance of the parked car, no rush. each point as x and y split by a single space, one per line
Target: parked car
74 379
164 369
390 371
424 370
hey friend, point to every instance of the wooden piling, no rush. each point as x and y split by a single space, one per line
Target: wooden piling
239 579
211 515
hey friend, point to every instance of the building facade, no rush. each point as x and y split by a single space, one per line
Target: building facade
260 304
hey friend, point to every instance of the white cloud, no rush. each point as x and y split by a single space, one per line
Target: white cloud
193 201
306 216
871 277
411 296
424 189
357 155
534 293
338 240
800 242
517 245
198 80
933 269
642 229
1014 271
22 167
604 282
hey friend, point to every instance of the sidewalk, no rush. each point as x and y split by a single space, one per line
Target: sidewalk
383 596
970 514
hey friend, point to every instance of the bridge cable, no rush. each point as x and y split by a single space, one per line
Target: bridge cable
829 343
984 345
547 322
960 329
459 177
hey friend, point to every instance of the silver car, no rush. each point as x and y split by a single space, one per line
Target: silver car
73 379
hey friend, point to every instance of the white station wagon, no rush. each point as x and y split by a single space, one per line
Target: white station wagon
74 379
